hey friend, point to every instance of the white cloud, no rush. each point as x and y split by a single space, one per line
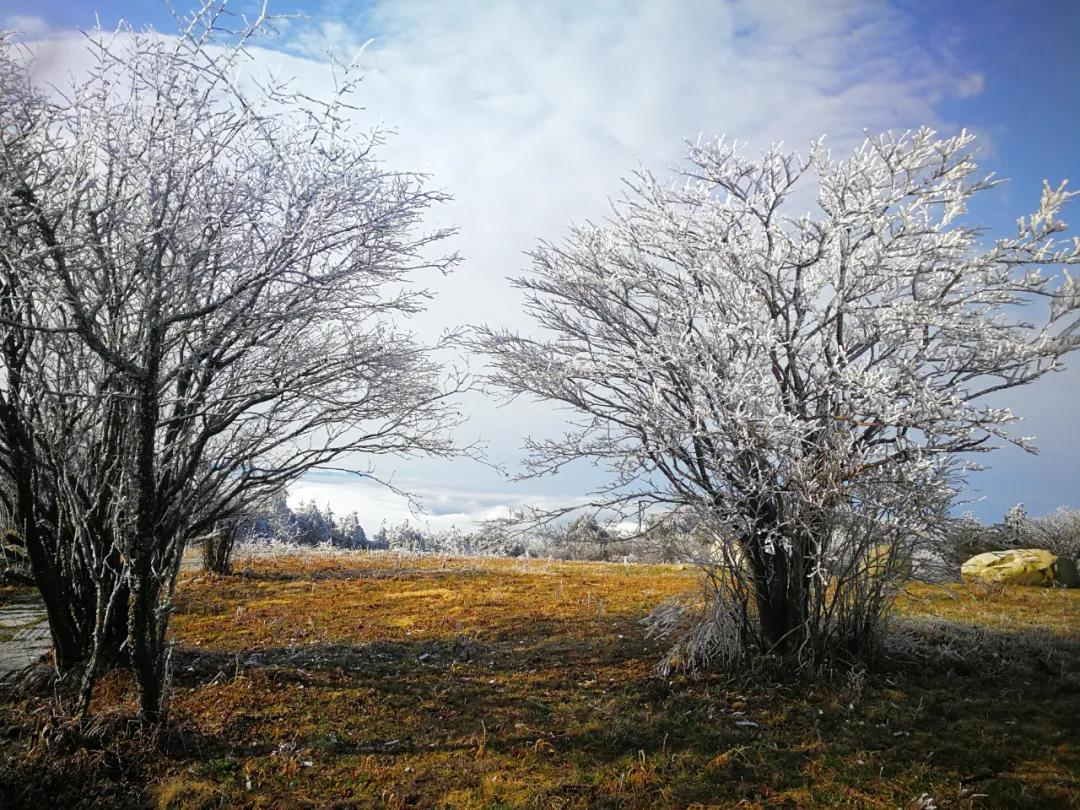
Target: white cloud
444 505
530 113
25 24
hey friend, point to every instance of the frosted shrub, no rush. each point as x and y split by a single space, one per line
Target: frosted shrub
807 374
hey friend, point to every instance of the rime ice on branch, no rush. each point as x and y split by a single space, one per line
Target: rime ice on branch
809 384
200 279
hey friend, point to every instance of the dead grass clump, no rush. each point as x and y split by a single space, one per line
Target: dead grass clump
944 645
104 761
702 630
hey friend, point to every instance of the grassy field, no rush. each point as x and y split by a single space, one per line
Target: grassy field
384 681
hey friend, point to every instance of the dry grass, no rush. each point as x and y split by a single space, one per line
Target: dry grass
379 681
10 593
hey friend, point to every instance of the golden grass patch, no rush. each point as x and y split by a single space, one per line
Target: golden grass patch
379 680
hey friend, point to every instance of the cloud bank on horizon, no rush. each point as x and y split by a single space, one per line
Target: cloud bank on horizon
529 114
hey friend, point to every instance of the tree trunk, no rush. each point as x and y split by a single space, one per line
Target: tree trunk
145 625
217 548
782 598
145 655
114 634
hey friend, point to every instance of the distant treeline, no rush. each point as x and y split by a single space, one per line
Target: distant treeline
668 537
308 525
585 538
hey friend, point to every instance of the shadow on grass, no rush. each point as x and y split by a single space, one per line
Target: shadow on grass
598 697
583 721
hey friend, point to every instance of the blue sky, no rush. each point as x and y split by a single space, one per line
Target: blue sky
1029 61
529 113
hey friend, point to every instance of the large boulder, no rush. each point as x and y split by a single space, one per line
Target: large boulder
1022 566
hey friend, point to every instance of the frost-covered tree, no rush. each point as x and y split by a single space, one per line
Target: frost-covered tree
381 540
350 534
275 522
808 376
405 536
312 526
202 279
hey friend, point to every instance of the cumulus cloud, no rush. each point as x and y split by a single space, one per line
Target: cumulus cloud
25 24
530 113
444 505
